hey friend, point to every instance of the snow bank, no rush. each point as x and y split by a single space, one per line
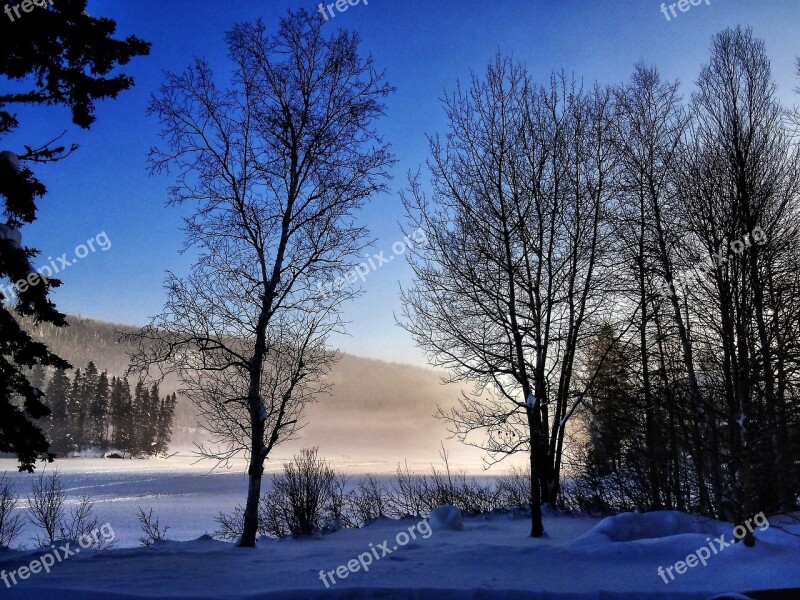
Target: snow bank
630 527
492 559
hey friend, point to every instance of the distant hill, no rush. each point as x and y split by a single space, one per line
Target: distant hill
381 413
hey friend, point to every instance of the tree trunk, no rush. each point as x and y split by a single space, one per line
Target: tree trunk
250 530
255 471
650 437
687 355
669 399
537 528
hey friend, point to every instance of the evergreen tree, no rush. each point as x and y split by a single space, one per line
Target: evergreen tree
141 398
57 398
117 411
98 412
610 414
150 422
38 377
166 414
61 56
75 412
126 434
84 433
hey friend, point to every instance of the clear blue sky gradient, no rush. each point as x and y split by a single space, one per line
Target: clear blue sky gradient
425 48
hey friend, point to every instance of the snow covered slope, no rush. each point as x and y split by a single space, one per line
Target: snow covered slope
491 558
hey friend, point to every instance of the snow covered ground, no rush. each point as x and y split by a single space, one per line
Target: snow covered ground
492 557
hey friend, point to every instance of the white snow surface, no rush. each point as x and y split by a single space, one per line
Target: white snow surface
493 557
630 527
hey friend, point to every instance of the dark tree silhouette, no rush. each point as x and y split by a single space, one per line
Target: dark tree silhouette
58 56
284 157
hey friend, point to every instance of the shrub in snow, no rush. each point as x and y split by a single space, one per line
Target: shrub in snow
408 494
11 521
307 498
446 518
514 489
413 494
231 525
48 511
367 503
153 532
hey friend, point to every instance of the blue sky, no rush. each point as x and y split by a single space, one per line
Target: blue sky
425 48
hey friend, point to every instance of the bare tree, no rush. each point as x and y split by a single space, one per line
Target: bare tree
509 282
274 168
650 124
742 182
708 228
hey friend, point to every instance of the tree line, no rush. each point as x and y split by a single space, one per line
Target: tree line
556 215
561 218
91 411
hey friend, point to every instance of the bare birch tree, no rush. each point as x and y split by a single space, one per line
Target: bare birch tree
273 169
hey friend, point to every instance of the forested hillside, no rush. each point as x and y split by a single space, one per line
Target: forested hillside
393 397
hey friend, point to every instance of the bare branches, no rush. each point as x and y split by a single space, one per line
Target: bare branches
151 528
516 237
516 261
11 521
274 168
